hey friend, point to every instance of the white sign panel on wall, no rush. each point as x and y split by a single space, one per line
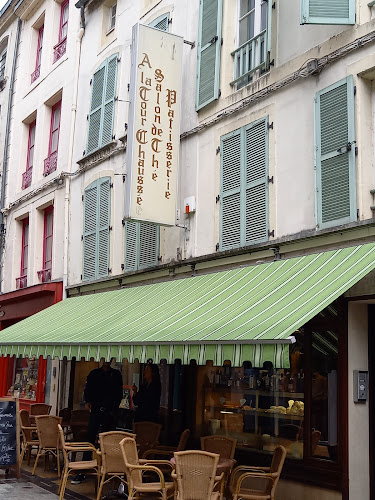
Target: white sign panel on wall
154 126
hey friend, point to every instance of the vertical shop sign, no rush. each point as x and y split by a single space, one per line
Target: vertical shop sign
154 126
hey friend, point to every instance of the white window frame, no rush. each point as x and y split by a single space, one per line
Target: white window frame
111 17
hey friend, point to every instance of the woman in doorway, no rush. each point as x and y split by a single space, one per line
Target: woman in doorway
147 398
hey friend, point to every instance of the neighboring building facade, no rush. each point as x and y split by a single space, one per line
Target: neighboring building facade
276 154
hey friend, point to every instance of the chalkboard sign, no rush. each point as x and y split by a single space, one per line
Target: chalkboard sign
9 433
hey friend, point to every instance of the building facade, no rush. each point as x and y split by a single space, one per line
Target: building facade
276 162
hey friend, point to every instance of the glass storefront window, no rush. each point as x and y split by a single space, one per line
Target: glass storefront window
25 379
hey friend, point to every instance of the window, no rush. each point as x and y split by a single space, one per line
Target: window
45 274
244 186
318 12
50 163
27 176
254 39
141 245
102 105
112 17
161 23
60 48
3 57
96 221
21 282
335 155
39 50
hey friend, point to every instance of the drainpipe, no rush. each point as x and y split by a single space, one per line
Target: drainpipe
70 159
5 157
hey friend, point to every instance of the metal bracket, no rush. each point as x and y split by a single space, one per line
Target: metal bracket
271 233
217 198
270 180
192 44
218 150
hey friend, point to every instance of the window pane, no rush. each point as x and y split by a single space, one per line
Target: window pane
54 140
48 253
263 16
246 6
64 30
32 136
31 157
56 118
324 395
49 220
65 14
246 28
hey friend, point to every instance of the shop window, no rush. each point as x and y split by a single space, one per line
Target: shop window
338 12
26 379
141 245
44 274
50 163
60 49
27 175
21 282
252 56
96 228
244 186
102 107
335 155
36 73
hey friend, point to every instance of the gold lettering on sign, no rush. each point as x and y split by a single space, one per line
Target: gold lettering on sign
145 60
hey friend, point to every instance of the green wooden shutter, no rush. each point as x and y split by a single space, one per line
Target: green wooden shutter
230 173
327 11
104 220
90 208
148 245
131 246
102 106
95 117
141 245
256 178
335 154
109 100
161 23
209 48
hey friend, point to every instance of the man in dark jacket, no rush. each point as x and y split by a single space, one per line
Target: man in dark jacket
103 395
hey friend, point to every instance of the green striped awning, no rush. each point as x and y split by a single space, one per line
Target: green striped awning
248 313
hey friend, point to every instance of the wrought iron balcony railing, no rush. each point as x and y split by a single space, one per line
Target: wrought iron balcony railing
44 275
50 163
59 50
249 57
26 178
21 282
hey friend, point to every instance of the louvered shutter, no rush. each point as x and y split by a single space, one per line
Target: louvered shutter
131 246
256 172
209 49
148 245
327 11
161 23
90 207
95 117
335 154
109 100
230 208
104 215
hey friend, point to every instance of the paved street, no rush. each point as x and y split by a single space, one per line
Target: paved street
13 489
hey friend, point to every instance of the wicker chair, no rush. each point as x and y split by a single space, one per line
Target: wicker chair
196 475
89 466
29 437
40 409
167 451
134 468
48 435
266 479
112 459
148 434
223 446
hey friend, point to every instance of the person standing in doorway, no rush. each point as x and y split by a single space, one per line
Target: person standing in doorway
147 399
103 394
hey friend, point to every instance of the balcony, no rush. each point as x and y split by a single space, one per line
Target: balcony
21 282
26 178
59 50
44 275
50 164
35 75
250 57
